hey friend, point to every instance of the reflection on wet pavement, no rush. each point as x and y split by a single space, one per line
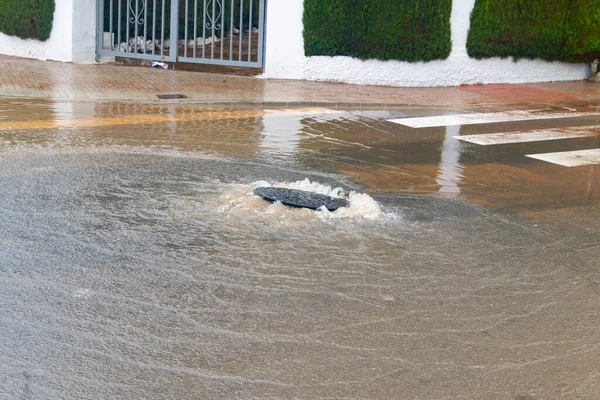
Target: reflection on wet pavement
136 263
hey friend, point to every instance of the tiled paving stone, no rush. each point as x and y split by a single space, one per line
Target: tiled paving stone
119 83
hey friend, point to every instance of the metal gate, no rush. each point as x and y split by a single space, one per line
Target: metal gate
221 32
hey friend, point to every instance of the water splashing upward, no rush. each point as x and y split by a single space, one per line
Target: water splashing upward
240 200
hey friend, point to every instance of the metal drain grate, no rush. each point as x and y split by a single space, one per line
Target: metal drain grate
171 96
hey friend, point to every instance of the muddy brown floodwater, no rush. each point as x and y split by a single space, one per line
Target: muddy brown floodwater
135 262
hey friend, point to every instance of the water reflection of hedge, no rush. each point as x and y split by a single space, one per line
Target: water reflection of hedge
408 30
151 10
563 30
27 19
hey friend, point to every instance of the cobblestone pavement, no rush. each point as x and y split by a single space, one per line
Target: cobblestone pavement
109 82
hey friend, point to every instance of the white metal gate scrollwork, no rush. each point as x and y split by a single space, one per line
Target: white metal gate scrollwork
221 32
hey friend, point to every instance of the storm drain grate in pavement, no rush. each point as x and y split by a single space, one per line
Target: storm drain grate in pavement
171 96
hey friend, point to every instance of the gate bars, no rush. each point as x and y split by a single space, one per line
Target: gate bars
120 37
221 32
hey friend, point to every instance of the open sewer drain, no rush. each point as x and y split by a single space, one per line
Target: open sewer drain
300 198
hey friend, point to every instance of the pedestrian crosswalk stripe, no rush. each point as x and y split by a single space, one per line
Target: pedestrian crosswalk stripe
487 118
531 136
570 158
302 111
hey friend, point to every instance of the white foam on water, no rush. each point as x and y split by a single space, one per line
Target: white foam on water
240 200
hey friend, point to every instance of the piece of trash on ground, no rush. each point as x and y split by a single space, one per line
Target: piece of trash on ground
161 64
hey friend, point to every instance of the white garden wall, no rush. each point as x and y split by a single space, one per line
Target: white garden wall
72 37
84 31
285 58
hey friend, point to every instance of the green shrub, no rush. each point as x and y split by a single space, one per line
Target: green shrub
27 19
558 30
583 33
406 30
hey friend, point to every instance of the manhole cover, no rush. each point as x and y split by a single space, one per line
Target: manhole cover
171 96
300 198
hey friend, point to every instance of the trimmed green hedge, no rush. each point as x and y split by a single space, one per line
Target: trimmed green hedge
583 33
27 19
406 30
558 30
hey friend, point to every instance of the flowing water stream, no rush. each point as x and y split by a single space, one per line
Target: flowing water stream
135 261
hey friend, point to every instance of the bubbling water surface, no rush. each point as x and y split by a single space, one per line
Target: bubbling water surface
241 200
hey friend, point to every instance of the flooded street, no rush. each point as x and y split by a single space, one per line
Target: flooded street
136 263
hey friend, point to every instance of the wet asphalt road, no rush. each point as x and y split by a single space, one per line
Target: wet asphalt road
135 264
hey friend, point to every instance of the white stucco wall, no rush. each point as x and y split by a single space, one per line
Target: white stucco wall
57 47
72 37
84 31
285 58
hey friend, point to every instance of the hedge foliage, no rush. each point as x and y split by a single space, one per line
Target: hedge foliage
27 19
407 30
557 30
583 33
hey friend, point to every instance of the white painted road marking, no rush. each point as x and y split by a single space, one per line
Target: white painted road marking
531 136
487 118
570 158
305 111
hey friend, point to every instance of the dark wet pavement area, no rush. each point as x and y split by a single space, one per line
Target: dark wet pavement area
135 262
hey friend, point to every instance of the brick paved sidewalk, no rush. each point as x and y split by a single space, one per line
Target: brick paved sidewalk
109 82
